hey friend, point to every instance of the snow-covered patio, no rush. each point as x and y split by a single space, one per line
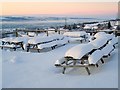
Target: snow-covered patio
36 70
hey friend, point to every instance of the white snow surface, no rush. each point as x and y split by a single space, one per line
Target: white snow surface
79 51
36 70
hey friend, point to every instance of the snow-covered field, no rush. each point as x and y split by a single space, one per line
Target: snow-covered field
36 70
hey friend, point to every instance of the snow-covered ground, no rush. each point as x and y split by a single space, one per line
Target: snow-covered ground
36 70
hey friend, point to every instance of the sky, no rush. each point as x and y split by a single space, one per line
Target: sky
104 9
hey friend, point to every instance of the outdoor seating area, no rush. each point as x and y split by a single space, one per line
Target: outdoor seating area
14 42
88 54
42 41
51 41
79 36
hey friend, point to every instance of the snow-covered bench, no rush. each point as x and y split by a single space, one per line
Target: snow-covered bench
107 50
76 36
47 42
99 43
104 35
91 60
76 57
15 42
114 41
95 57
2 45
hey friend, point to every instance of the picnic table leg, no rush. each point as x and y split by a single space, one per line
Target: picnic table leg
28 47
64 68
38 50
22 46
14 48
1 47
102 60
80 41
74 62
88 71
97 65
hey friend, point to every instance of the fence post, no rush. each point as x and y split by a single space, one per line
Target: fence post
16 33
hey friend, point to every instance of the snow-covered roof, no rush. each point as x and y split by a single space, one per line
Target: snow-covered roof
77 52
95 57
75 34
107 49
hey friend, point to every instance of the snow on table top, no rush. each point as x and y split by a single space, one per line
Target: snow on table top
95 57
99 42
77 52
39 39
8 39
53 43
99 34
75 34
103 34
107 49
15 39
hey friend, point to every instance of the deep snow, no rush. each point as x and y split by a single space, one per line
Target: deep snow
36 70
